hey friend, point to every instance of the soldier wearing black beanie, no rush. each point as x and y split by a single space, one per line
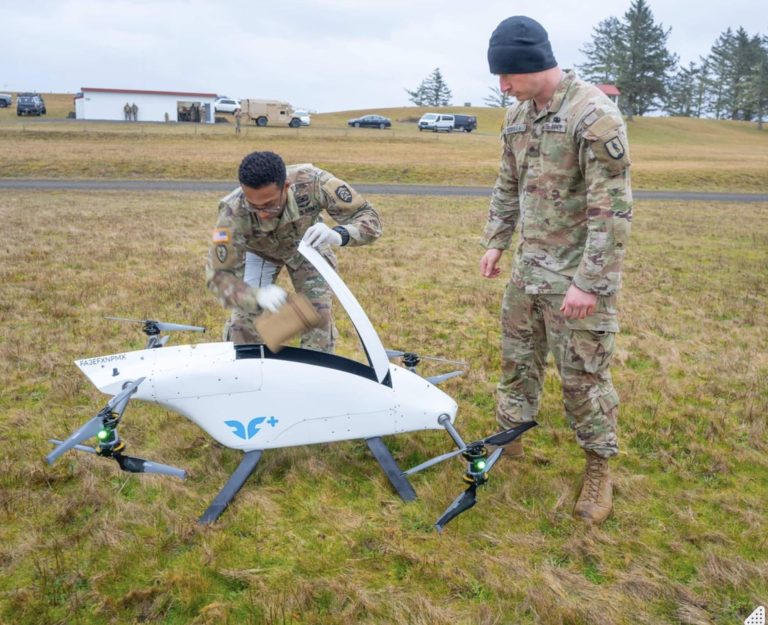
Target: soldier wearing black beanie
520 45
564 178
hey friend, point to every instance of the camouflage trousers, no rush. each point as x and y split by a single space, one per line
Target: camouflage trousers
533 326
306 280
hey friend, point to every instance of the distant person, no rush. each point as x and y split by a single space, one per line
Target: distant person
564 176
135 112
238 117
127 112
260 226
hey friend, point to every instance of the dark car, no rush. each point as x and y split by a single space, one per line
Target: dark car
30 104
370 121
467 123
6 99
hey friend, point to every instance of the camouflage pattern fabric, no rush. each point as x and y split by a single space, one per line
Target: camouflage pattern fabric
238 230
532 326
564 177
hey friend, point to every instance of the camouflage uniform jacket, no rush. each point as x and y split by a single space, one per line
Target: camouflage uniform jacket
564 175
238 230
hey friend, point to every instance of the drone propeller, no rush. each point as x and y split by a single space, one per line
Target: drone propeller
496 440
416 358
130 463
110 414
479 465
411 359
152 326
462 503
104 427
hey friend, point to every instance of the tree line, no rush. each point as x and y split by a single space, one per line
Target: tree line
731 82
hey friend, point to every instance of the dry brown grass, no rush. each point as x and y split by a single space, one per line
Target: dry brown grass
317 536
668 153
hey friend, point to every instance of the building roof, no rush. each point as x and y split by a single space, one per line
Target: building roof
143 92
608 89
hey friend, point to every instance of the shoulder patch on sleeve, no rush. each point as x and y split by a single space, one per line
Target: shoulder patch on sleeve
342 195
607 138
221 235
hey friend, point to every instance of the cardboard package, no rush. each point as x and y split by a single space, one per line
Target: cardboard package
295 317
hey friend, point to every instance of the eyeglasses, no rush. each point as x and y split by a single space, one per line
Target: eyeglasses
270 210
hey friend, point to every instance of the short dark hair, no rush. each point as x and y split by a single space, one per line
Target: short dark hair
259 169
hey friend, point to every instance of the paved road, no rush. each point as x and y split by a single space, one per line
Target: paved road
385 189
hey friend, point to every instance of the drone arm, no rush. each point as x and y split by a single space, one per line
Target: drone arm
432 461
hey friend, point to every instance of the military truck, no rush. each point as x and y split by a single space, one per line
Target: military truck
263 112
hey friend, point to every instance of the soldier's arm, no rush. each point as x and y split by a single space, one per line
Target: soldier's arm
504 209
349 209
604 160
225 266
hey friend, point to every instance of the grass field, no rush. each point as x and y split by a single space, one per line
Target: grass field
317 536
667 153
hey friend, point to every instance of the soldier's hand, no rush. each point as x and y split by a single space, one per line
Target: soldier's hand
271 297
488 268
320 234
578 304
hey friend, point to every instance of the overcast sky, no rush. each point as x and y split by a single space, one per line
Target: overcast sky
325 55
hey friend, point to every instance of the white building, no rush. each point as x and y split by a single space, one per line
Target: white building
151 106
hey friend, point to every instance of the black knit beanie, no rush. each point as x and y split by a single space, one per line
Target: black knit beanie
519 45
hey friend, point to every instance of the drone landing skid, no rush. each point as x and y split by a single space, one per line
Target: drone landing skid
251 458
396 476
234 484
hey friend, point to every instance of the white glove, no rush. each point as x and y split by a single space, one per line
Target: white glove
320 234
271 297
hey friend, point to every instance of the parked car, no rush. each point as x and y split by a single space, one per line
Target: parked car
467 123
436 122
30 104
6 99
370 121
225 105
304 117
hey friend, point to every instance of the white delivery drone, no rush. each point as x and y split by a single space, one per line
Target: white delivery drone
249 398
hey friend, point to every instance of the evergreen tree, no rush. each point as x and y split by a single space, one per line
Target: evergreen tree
688 91
632 54
757 85
735 59
646 64
419 96
747 60
432 91
604 53
682 92
497 99
722 73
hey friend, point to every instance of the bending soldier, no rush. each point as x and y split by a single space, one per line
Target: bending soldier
259 228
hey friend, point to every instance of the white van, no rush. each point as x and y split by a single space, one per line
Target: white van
436 122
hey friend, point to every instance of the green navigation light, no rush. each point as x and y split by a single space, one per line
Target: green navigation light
102 435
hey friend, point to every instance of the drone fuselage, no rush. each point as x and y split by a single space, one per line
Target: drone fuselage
248 398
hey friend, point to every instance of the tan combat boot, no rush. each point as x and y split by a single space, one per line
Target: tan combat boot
596 498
